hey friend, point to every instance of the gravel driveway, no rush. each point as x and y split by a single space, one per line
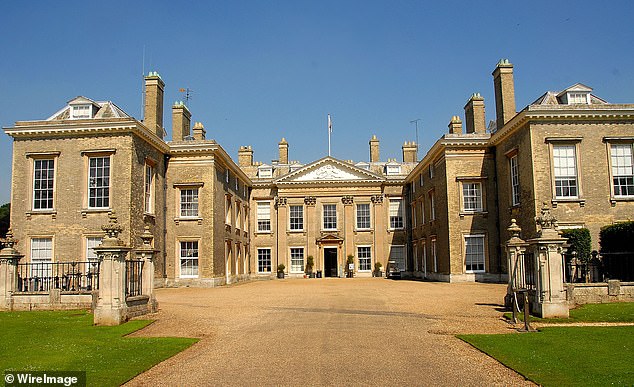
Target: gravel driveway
330 332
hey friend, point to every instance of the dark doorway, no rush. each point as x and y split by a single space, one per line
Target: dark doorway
330 262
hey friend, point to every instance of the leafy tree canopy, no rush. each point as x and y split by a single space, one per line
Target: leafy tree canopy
5 211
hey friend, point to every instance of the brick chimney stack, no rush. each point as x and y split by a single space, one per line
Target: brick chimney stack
245 156
181 120
455 125
410 150
199 131
153 109
283 147
504 92
374 149
474 114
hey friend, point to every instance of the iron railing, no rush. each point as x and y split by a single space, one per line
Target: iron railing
529 270
133 278
80 277
619 266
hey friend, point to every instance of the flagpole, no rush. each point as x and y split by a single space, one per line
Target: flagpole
329 131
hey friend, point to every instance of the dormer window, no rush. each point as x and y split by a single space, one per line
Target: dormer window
578 98
391 170
81 111
265 172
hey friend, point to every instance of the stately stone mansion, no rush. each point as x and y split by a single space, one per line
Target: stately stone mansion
215 221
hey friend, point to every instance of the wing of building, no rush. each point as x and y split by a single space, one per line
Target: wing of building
443 217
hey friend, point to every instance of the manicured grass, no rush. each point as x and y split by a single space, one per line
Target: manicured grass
565 356
612 312
67 340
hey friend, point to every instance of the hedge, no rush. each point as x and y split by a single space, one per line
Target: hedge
617 238
580 242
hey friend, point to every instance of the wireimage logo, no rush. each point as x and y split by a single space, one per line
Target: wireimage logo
45 378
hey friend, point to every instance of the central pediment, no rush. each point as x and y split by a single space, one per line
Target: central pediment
329 169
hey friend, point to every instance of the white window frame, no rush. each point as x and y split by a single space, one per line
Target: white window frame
331 216
86 112
265 173
558 168
578 98
434 253
189 202
93 188
91 242
361 218
472 196
392 170
263 218
396 218
424 256
149 180
515 180
41 252
238 205
403 259
294 254
363 259
47 180
194 266
228 209
481 259
262 263
622 170
422 210
296 221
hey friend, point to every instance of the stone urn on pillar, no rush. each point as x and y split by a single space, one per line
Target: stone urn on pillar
111 306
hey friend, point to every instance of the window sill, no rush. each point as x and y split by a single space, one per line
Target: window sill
396 229
86 211
52 213
188 219
149 215
263 232
295 231
556 201
615 199
472 213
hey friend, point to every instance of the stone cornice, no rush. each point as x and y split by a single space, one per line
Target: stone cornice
564 113
207 147
73 128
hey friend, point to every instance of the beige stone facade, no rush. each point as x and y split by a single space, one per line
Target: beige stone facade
443 217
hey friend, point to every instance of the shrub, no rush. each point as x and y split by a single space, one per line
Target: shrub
280 268
617 238
580 242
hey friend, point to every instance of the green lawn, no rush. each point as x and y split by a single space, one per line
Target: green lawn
67 340
612 312
565 356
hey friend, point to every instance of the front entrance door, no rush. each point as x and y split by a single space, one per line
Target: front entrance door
330 262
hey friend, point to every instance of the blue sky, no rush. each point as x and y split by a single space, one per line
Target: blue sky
263 70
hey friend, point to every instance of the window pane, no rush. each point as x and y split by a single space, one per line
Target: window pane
296 217
99 182
330 216
41 257
297 260
565 168
264 216
363 216
365 258
43 175
515 181
189 202
397 254
472 196
264 260
396 213
474 253
622 169
189 259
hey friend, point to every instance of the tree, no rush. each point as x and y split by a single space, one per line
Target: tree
5 212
